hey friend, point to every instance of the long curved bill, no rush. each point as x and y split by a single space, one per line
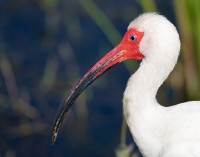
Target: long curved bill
115 56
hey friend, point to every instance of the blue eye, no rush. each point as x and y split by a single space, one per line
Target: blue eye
133 38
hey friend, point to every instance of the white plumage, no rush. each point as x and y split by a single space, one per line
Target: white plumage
159 131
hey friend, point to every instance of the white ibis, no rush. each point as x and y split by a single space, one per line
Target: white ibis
158 131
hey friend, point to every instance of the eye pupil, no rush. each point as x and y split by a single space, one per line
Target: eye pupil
133 37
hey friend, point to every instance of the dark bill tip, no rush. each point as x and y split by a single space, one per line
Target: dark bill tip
67 104
75 92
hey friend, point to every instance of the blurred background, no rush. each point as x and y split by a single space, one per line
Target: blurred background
45 48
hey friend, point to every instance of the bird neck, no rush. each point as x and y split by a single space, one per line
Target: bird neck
145 82
141 109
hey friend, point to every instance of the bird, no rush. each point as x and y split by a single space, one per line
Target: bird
158 131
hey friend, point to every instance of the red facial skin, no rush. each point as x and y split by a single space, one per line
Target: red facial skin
127 49
132 47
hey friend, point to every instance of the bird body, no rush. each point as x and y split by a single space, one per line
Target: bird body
158 131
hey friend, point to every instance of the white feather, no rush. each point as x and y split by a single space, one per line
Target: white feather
159 131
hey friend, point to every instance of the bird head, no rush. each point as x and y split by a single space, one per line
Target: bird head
161 41
134 45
